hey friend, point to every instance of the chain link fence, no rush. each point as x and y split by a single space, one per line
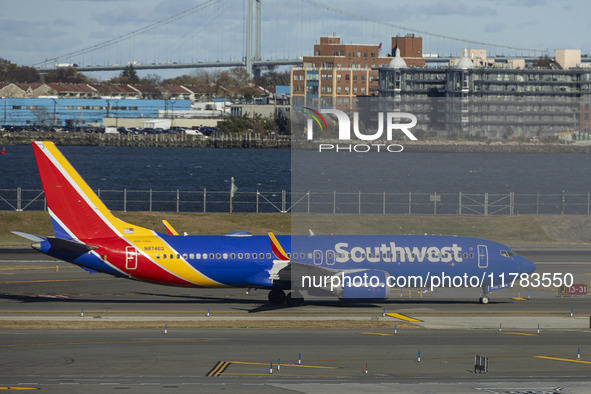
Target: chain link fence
203 201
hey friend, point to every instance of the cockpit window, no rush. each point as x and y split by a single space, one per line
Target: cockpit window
507 253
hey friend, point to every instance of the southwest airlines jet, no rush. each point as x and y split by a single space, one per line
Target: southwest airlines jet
346 266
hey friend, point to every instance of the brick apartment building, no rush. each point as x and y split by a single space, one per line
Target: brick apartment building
411 49
338 72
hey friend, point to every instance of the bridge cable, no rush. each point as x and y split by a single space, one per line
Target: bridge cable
124 37
367 19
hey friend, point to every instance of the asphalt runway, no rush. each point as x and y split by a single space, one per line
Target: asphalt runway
455 328
204 360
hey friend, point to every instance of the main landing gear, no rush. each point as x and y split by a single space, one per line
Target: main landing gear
484 299
278 297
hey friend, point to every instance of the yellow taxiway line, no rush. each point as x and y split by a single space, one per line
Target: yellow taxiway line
403 317
377 333
563 359
285 365
520 333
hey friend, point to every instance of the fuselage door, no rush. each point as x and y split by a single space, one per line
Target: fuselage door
482 256
329 257
130 257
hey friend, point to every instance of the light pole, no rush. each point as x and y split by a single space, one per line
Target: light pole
117 113
56 104
171 113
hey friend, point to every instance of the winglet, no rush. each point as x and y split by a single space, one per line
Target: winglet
169 229
277 249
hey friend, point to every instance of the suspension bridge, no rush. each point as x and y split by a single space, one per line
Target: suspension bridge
257 35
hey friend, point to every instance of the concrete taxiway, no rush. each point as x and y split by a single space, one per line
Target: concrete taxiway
142 345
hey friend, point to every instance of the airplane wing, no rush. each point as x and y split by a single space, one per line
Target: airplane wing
284 269
283 272
286 273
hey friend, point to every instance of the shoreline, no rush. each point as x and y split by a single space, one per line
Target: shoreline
257 141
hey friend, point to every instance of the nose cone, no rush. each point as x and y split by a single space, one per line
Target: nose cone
525 265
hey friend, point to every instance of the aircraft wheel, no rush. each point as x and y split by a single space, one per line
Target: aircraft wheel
276 296
484 300
292 300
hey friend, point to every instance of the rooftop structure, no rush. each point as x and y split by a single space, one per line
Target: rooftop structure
339 72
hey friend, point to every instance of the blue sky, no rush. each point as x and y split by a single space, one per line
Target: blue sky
35 30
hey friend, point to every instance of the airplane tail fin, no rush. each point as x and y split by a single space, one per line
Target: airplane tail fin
76 211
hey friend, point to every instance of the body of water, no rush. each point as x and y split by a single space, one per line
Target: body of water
271 170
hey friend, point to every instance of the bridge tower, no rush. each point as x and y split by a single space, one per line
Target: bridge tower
257 50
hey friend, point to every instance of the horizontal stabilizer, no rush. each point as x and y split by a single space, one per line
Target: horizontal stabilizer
30 237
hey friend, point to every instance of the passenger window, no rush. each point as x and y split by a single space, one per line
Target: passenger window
163 256
211 256
268 255
240 255
233 256
204 256
302 255
158 256
185 256
225 255
261 255
218 256
197 255
191 256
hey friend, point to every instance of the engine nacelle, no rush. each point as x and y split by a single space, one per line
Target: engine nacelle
364 285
